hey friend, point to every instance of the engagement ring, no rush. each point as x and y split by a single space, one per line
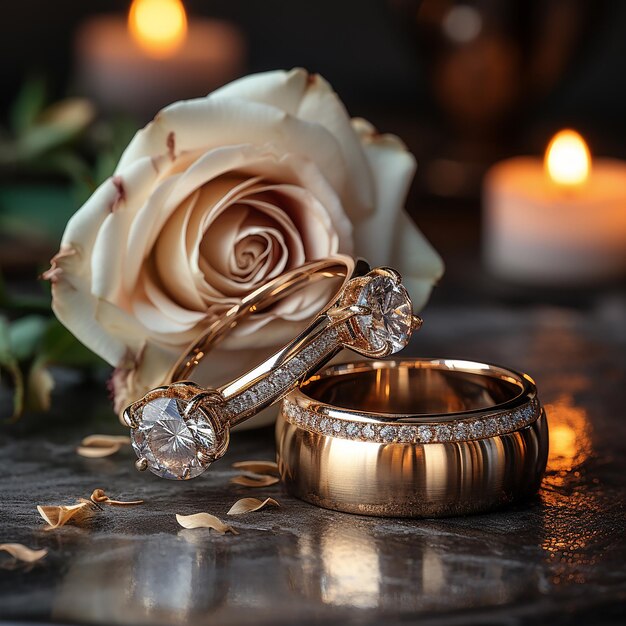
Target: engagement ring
179 429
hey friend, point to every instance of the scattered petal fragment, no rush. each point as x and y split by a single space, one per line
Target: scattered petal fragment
58 515
99 497
255 480
205 520
258 467
248 505
99 446
23 553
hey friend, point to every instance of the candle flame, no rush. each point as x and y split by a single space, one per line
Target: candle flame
158 26
567 159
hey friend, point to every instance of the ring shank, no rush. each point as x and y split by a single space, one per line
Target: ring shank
269 294
418 388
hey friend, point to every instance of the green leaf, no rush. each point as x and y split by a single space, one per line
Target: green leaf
69 164
60 347
9 364
28 105
25 335
42 208
56 126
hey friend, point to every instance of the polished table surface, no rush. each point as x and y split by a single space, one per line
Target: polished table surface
559 558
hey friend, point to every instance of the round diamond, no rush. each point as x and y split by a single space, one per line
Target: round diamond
407 434
170 443
460 431
477 430
506 423
425 433
368 432
491 427
391 317
444 433
353 430
387 433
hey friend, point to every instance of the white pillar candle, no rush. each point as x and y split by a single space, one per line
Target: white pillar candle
155 57
558 223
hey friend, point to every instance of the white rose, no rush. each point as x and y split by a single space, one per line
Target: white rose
214 197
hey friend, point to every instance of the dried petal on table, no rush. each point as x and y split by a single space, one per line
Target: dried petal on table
205 520
23 553
248 505
99 497
258 467
58 515
99 446
255 480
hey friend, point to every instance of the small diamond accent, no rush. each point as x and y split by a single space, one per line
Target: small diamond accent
477 430
337 427
460 431
407 434
491 427
296 366
353 430
425 433
387 433
368 431
444 432
506 424
264 388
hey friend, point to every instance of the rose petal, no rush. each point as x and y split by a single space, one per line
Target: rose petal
205 520
58 515
310 97
281 89
249 505
98 440
255 480
322 106
22 553
99 452
99 446
108 259
99 497
207 123
388 236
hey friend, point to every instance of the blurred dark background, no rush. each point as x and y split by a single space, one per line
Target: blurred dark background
465 84
557 61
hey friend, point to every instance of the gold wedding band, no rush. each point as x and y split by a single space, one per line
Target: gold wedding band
179 429
413 438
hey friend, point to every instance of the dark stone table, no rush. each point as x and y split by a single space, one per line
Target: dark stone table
557 559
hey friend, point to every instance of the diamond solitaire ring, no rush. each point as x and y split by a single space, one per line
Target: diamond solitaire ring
179 429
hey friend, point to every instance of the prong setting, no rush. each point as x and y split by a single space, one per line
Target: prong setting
382 321
176 434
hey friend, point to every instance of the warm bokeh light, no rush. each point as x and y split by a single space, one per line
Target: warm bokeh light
567 159
158 26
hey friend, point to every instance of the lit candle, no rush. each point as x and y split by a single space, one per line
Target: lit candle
155 56
560 223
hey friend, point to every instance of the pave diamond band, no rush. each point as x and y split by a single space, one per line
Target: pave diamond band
415 437
389 432
179 429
